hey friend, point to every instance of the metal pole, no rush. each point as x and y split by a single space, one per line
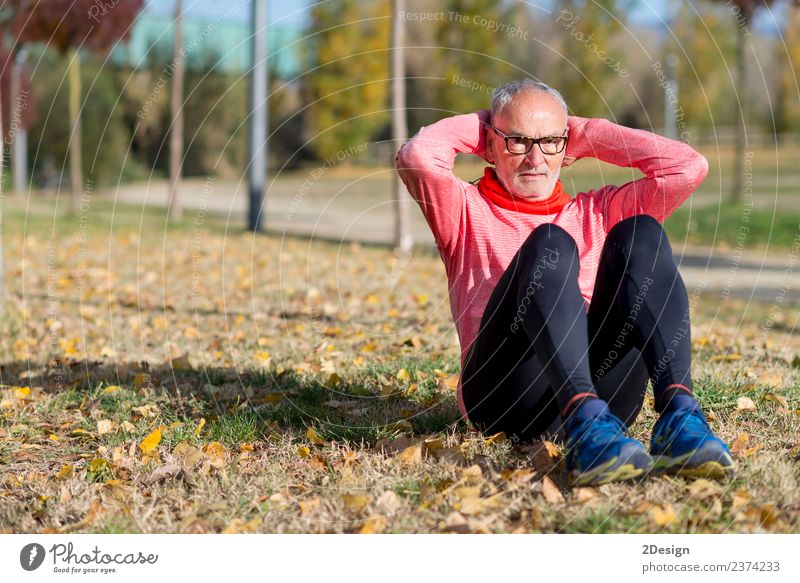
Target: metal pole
19 154
258 114
403 239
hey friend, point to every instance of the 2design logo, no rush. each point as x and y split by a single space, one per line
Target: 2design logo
31 556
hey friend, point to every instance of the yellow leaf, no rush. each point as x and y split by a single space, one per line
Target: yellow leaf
150 442
314 438
214 450
199 427
262 356
779 399
496 438
307 506
355 502
725 357
403 375
702 488
745 404
303 451
54 437
663 515
373 525
97 464
181 363
22 392
372 299
111 389
412 454
65 473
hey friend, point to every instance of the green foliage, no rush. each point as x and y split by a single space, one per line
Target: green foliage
348 83
705 44
474 43
104 135
592 70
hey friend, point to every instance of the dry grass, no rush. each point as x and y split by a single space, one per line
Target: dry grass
323 380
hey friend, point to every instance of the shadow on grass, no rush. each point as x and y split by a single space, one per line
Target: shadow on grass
243 405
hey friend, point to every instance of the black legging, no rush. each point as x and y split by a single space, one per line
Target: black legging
538 353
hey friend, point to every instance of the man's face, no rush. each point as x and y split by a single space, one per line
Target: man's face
533 114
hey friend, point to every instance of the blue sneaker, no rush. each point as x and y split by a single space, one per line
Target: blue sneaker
598 450
684 445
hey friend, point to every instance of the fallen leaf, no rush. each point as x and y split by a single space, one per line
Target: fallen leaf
111 389
303 451
779 399
551 492
663 515
65 473
104 426
355 502
702 488
314 437
150 442
309 505
181 363
199 427
162 473
745 404
373 525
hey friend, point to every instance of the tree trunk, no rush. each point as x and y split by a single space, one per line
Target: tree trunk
176 106
75 158
741 125
403 239
2 192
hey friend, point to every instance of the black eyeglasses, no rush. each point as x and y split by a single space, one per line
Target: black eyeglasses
549 145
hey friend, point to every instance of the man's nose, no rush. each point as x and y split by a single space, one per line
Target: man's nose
535 157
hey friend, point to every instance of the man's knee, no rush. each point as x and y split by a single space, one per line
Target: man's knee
548 249
640 234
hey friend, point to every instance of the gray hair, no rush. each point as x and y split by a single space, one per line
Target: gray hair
503 95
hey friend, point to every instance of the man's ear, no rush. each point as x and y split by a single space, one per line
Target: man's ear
490 137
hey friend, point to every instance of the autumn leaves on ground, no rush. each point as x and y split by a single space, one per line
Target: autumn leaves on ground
197 379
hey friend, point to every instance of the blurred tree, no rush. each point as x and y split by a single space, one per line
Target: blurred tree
743 12
704 43
787 101
348 73
591 71
474 40
176 113
68 26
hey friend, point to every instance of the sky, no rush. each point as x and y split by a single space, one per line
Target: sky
295 12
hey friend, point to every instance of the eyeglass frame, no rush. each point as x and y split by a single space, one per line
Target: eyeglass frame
536 141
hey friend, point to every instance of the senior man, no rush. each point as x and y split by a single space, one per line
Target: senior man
565 306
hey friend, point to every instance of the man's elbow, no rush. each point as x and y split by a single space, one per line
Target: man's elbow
409 157
697 170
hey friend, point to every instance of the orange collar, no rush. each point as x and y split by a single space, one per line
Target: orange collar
491 188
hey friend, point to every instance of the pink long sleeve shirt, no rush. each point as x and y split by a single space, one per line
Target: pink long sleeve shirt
477 239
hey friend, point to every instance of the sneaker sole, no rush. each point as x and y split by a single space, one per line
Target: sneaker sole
616 469
708 461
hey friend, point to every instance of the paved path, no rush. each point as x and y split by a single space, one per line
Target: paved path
301 206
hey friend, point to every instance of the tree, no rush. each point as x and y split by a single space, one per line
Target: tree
743 12
473 49
176 108
593 74
787 108
69 26
402 232
348 76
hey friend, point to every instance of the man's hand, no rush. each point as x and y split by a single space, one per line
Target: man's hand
572 133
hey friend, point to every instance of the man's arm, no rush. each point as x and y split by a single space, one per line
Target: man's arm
425 164
672 169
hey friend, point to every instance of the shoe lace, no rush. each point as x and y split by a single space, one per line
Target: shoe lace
690 422
603 427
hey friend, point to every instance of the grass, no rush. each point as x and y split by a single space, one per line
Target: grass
273 419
